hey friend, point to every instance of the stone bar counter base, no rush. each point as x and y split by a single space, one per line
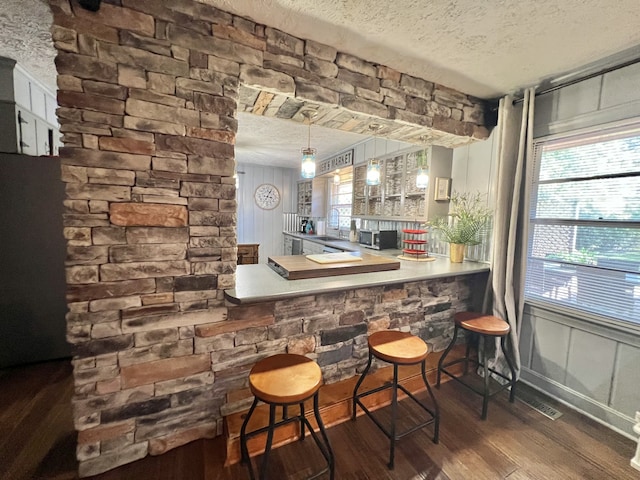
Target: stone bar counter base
148 94
332 328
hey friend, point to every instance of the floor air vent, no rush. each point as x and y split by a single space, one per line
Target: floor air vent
539 405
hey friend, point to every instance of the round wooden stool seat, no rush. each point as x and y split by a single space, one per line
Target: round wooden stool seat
482 324
398 347
285 378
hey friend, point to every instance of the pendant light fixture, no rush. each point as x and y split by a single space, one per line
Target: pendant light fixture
422 178
336 177
308 168
373 166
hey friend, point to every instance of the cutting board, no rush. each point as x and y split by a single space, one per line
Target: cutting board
296 267
336 257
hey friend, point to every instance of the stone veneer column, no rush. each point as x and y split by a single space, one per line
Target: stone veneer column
148 97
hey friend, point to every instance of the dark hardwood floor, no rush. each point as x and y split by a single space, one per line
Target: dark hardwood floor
37 441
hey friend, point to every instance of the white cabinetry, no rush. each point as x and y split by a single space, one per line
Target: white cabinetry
397 197
27 113
312 197
288 245
311 248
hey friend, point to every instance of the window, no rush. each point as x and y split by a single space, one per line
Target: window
584 227
340 202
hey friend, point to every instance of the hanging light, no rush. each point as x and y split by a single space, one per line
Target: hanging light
336 177
373 166
308 169
422 179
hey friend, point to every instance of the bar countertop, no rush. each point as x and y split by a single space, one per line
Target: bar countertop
259 283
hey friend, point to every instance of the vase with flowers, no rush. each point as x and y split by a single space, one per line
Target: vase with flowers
467 220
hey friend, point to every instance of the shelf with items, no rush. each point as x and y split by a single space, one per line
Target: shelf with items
393 182
311 197
398 197
304 198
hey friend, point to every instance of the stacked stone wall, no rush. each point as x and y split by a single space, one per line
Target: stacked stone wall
148 96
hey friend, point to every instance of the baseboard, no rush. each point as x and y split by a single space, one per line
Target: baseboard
335 404
579 402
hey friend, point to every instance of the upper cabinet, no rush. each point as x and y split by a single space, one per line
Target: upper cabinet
397 197
312 197
304 197
27 113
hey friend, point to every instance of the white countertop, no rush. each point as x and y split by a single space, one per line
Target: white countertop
259 283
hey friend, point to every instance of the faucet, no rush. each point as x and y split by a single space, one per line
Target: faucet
333 222
334 218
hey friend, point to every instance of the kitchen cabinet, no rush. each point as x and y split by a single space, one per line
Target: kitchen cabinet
311 248
312 197
27 113
288 245
397 197
304 198
248 253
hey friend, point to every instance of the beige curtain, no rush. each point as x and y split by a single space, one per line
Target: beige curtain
515 152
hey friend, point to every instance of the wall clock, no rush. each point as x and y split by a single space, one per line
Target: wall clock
267 196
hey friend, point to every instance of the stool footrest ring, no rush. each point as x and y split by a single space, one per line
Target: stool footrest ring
388 434
476 390
323 443
434 415
486 392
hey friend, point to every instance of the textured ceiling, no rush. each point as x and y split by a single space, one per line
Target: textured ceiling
25 37
484 49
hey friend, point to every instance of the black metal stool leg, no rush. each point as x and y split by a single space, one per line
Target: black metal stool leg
467 352
360 380
512 395
301 421
444 355
394 416
331 459
485 364
267 448
243 439
436 407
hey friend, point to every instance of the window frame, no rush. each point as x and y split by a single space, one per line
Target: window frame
622 129
346 178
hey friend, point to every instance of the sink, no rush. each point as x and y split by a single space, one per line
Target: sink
326 238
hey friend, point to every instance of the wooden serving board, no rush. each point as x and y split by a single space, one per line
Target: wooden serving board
296 267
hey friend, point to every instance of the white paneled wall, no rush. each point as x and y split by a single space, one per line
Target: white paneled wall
264 226
375 147
474 168
588 366
580 360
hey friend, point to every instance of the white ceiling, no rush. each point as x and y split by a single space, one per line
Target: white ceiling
486 49
277 142
482 48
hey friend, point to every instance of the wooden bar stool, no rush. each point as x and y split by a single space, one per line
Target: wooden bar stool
485 326
280 381
397 348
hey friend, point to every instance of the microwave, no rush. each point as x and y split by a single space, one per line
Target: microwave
380 240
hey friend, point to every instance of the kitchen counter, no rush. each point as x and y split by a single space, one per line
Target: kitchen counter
259 283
